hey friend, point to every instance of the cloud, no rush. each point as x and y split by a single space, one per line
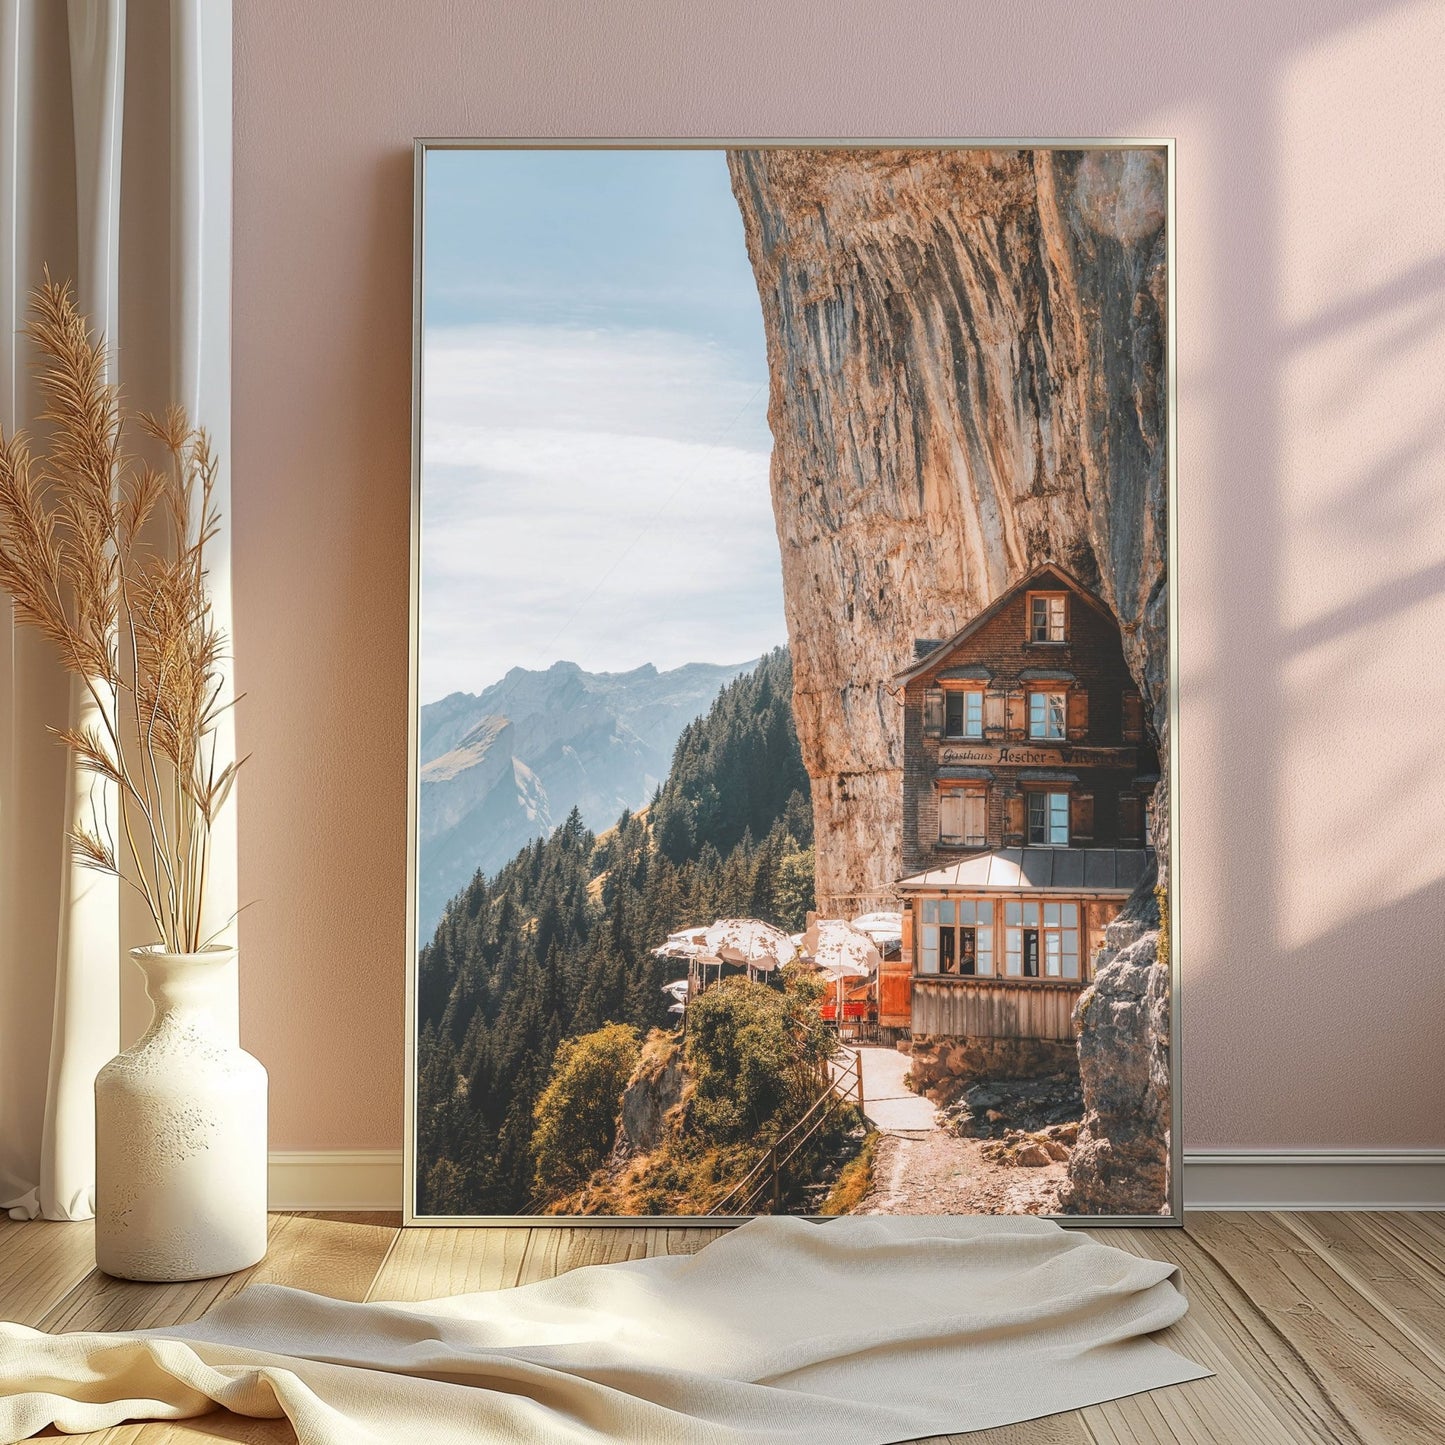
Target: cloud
599 496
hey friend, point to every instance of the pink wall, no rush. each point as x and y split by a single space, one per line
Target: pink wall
1311 273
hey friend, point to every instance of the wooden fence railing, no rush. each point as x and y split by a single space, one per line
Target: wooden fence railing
765 1179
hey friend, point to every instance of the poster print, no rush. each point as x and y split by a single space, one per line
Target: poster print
793 683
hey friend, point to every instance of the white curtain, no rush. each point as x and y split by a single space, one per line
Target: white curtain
115 170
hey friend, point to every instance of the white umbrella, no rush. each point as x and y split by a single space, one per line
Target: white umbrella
678 987
883 921
750 942
881 927
688 945
839 950
684 943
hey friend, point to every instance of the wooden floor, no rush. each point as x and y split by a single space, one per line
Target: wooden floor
1327 1328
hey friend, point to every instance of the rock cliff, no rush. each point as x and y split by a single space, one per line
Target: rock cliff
967 367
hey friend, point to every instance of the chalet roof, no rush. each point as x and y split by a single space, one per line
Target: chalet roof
1039 870
1027 583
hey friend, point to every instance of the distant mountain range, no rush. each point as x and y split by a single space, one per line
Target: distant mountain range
507 765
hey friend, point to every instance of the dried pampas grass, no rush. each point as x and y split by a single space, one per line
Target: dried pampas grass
105 555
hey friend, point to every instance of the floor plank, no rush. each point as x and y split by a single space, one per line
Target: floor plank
40 1262
1370 1369
1261 1389
1067 1429
605 1246
1390 1265
101 1302
431 1262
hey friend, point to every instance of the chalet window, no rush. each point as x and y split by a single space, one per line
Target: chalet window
1132 720
956 937
963 714
933 712
962 817
1046 617
1131 820
1049 820
1016 708
1041 940
1047 714
1013 818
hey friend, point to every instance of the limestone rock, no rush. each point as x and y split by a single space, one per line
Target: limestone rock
967 364
1120 1164
653 1097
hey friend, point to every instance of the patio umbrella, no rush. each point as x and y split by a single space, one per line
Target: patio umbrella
684 943
885 929
749 942
839 950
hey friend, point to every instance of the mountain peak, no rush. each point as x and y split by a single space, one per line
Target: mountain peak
500 767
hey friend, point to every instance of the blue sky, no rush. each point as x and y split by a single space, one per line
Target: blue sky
595 441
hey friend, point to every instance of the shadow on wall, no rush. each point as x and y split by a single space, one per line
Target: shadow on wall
1314 571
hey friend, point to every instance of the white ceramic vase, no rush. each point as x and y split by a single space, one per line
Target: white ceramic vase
180 1129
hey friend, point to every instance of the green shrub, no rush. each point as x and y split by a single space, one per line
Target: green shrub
757 1057
575 1117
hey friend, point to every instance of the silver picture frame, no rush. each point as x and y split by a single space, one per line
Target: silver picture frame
1173 1216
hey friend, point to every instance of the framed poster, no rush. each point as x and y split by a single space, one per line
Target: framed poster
793 782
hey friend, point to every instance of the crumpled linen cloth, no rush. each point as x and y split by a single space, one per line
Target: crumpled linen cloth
856 1332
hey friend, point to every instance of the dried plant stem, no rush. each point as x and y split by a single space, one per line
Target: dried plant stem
103 554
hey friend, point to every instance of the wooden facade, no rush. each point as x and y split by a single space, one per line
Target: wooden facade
978 1008
1027 784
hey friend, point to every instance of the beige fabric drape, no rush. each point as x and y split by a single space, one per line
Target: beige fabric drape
857 1332
115 170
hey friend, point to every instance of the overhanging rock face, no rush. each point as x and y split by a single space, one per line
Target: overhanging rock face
967 379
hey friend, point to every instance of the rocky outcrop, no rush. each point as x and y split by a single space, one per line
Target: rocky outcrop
652 1101
967 367
1121 1162
995 1108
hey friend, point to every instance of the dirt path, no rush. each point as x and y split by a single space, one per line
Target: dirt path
888 1102
936 1173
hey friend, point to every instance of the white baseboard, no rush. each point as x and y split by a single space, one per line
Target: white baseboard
1314 1179
335 1179
371 1179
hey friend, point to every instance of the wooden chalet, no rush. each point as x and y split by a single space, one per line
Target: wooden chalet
1027 785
